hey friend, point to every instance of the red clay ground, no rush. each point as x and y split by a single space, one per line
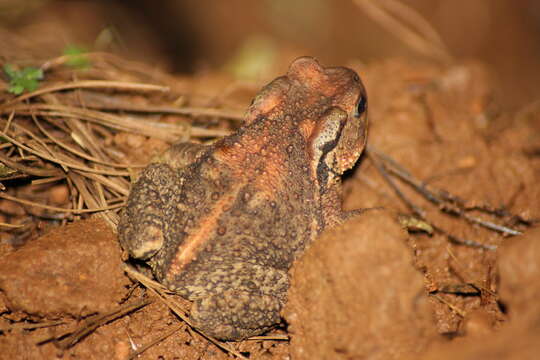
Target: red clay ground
367 290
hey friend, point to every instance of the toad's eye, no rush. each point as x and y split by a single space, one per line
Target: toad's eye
360 107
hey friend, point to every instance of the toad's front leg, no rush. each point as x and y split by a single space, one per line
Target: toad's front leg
143 224
150 208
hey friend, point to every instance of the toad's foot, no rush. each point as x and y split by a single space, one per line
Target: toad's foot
235 315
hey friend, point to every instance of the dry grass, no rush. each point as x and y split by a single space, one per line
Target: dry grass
66 132
409 26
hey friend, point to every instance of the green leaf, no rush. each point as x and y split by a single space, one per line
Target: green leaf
26 79
77 57
16 89
9 70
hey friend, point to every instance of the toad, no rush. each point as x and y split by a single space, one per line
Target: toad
222 224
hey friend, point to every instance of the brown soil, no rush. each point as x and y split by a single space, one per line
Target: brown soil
365 290
358 292
370 289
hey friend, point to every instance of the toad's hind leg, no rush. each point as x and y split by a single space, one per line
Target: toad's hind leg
236 314
244 303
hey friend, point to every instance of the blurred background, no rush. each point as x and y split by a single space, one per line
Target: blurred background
257 38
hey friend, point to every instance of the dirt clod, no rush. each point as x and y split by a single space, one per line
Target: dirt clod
356 294
520 275
74 270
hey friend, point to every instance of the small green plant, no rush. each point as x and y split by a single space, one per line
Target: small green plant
77 57
26 79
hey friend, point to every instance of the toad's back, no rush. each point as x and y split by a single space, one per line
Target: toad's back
225 217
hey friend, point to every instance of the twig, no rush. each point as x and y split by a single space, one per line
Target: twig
375 155
90 84
47 180
382 170
106 102
9 120
64 163
11 226
91 324
157 340
471 243
438 200
31 170
473 283
27 326
81 183
109 182
488 224
457 310
77 152
400 20
164 131
59 209
278 337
